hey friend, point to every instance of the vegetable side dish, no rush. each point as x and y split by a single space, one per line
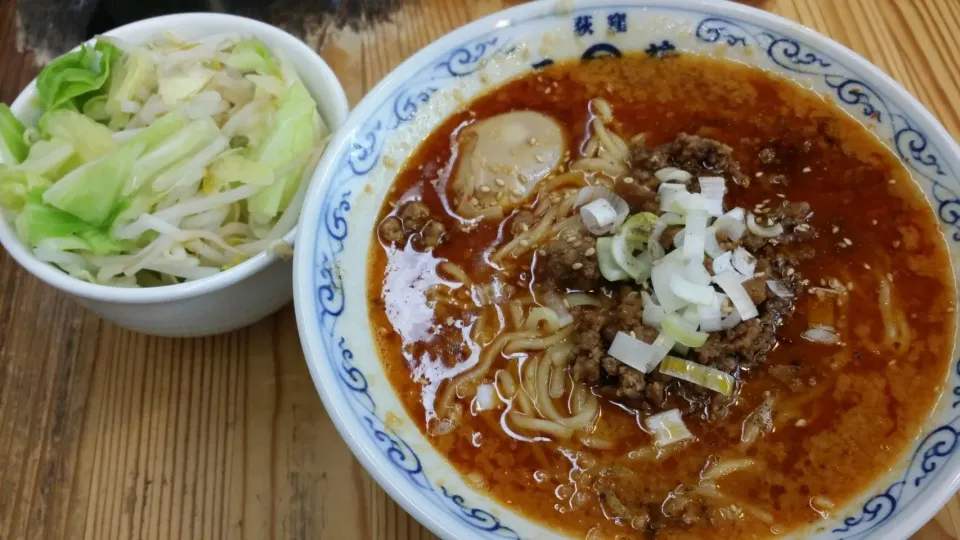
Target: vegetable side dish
158 163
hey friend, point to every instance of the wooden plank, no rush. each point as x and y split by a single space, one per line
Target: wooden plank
105 434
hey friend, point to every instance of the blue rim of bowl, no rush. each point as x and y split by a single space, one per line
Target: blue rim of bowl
65 282
721 23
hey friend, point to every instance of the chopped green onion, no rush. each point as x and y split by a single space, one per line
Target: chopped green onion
638 227
698 374
667 427
609 268
681 331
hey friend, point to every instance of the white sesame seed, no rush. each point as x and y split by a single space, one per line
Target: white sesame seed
835 229
577 266
874 222
806 169
781 195
499 182
485 189
893 181
628 180
867 266
759 174
517 192
848 242
532 141
896 243
590 252
801 423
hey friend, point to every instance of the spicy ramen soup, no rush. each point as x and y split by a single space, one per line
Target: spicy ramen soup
671 297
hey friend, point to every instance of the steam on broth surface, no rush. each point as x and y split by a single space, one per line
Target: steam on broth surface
572 376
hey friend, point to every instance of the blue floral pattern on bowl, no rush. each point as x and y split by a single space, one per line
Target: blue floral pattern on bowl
593 27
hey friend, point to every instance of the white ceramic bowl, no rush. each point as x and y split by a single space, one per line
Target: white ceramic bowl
233 298
330 270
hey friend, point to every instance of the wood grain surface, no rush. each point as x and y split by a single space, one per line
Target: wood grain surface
107 434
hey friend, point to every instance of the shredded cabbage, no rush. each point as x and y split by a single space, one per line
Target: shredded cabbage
162 162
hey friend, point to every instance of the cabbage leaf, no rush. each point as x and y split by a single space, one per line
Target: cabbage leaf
13 148
89 139
91 192
76 74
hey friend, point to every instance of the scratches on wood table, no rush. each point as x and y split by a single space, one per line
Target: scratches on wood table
106 434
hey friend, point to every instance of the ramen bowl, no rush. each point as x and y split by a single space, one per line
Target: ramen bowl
352 181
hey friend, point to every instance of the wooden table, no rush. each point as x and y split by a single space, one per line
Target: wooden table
107 434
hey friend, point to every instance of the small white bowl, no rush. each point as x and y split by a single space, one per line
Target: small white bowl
233 298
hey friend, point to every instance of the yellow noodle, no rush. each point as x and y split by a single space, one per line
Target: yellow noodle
559 354
544 402
544 426
541 314
508 385
528 377
571 179
577 399
515 312
455 271
723 468
644 453
602 109
709 489
560 229
586 416
590 149
478 372
522 243
823 502
537 343
557 382
510 389
545 201
599 165
897 334
583 299
479 325
610 142
450 301
599 444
